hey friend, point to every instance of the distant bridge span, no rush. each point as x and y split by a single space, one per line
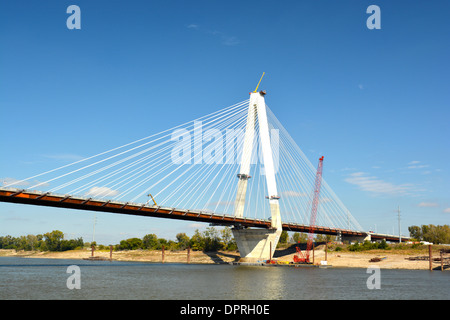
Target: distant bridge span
22 196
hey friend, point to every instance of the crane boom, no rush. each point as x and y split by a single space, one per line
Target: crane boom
312 221
315 205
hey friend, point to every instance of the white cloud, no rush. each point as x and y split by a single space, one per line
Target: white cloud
428 204
226 40
418 166
230 40
447 210
377 186
12 182
193 26
102 191
415 165
196 225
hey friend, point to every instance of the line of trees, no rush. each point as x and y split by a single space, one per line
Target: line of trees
430 233
50 241
209 240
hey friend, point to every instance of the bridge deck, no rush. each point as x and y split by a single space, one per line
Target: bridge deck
74 202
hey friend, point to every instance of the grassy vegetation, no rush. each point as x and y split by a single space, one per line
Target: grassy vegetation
385 248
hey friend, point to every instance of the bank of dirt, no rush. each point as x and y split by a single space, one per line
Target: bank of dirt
384 259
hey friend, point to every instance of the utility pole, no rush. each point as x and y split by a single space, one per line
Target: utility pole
399 229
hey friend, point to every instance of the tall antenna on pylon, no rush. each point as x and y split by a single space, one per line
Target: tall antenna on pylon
259 83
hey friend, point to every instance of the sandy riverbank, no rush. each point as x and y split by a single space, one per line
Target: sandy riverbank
390 260
130 255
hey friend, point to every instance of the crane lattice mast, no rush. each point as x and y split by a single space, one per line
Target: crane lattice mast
312 221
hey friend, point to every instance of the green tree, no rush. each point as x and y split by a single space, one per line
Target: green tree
211 239
150 241
131 244
228 240
197 241
300 237
32 242
431 233
53 240
415 232
284 237
321 238
182 241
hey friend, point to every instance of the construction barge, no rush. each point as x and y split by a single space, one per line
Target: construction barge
275 263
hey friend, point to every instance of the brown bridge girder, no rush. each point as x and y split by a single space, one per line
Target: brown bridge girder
74 202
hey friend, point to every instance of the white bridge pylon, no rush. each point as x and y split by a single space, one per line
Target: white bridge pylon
257 244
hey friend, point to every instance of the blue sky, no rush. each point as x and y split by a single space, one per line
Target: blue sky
374 102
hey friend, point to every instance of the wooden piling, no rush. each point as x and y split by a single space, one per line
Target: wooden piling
430 257
162 253
110 252
442 260
189 254
270 254
326 249
92 250
313 253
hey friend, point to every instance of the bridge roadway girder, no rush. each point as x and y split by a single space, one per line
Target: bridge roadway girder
72 202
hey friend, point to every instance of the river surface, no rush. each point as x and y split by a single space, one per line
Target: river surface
32 278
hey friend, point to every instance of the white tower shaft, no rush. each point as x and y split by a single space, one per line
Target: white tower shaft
257 243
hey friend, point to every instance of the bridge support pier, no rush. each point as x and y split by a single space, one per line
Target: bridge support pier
256 245
363 238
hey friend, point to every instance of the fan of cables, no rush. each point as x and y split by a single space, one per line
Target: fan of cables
195 166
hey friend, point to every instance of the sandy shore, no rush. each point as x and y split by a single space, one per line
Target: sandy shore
336 259
130 255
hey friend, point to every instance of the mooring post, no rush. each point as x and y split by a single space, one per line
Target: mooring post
326 249
162 252
270 253
189 254
110 252
442 260
430 258
313 252
92 250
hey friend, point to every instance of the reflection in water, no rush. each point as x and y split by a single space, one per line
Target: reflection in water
251 281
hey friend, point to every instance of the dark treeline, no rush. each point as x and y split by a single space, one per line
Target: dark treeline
431 233
209 240
50 241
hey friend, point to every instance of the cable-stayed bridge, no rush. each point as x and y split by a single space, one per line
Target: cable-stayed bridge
237 166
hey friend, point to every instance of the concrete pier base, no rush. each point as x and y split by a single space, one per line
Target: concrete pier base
256 244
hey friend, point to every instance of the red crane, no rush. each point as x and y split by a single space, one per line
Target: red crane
300 258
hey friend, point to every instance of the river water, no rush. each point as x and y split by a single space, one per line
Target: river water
30 278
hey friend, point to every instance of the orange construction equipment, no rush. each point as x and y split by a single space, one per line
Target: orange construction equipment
300 258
